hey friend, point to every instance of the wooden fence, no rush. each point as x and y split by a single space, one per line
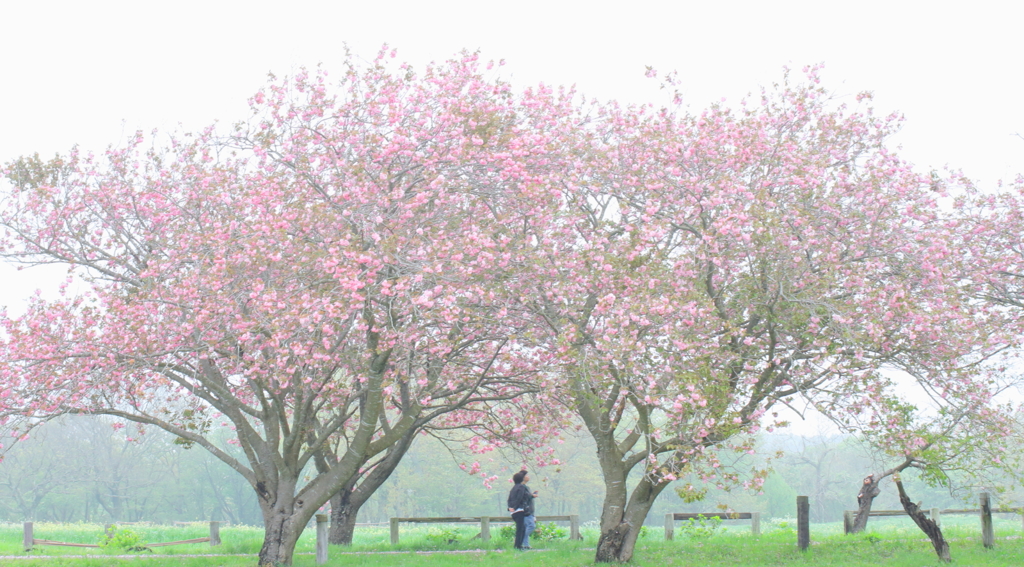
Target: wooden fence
30 540
485 524
754 517
984 512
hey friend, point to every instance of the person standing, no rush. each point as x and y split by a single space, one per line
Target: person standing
520 505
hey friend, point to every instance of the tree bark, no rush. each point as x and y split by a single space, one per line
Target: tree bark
279 538
284 518
870 490
343 517
346 503
867 495
621 527
928 526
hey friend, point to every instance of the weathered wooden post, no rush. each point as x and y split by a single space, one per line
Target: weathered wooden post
485 528
29 538
847 521
669 527
803 526
937 517
574 527
394 531
321 539
986 521
214 534
755 523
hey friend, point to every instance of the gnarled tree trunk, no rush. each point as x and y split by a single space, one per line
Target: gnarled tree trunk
869 490
345 504
928 526
620 526
867 495
343 517
279 538
284 518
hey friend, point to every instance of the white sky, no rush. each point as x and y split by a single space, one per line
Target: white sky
90 72
76 72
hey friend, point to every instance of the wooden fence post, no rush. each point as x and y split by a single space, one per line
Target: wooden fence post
29 538
574 527
755 523
394 531
321 539
803 527
214 534
669 519
847 521
937 517
986 521
485 528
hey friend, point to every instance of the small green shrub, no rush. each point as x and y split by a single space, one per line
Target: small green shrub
546 532
443 536
701 527
507 532
781 526
123 539
543 532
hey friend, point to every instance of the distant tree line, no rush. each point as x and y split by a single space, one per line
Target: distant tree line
89 469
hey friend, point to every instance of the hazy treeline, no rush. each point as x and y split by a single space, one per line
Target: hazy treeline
83 468
87 469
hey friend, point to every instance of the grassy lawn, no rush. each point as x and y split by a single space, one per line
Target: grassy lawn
894 542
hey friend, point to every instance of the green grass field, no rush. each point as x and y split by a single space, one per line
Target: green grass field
889 541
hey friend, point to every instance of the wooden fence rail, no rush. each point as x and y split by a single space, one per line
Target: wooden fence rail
485 524
30 540
985 512
754 517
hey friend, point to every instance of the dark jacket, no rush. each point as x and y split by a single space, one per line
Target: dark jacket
521 497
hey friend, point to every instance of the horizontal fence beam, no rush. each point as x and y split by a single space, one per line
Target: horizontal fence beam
62 543
950 511
166 543
984 512
485 523
476 519
30 540
722 516
754 517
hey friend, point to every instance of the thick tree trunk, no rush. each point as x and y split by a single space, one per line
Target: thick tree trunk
345 504
620 528
870 490
284 518
343 517
279 538
928 526
867 495
622 514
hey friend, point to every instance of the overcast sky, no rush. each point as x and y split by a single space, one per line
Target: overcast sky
88 71
91 72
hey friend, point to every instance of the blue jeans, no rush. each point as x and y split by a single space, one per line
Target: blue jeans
529 524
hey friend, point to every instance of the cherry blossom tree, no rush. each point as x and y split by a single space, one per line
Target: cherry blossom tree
956 426
709 268
953 440
319 278
966 440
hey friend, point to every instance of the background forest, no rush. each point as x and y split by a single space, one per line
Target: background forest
88 469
